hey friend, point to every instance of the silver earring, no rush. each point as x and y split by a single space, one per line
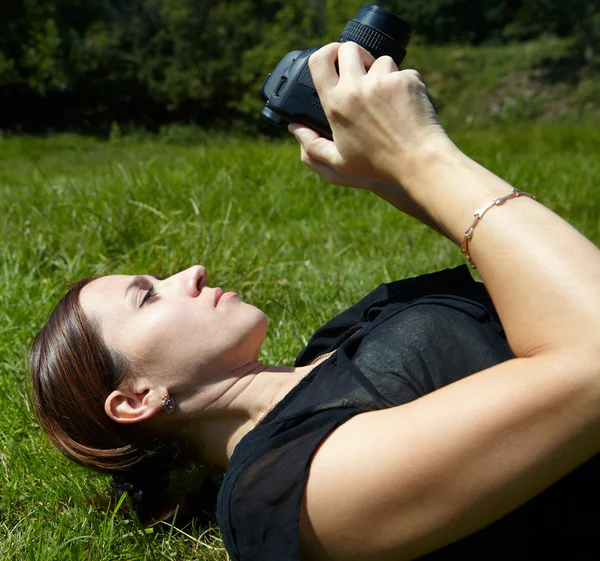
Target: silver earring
168 403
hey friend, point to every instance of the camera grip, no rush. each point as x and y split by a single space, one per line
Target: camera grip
289 90
293 97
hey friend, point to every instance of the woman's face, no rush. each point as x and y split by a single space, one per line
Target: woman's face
174 330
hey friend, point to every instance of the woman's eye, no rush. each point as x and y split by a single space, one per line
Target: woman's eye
149 297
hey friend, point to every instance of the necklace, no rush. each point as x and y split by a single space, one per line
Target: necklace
323 357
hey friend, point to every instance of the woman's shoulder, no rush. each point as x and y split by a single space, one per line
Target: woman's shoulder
259 500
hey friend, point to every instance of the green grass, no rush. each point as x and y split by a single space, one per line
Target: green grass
542 79
260 222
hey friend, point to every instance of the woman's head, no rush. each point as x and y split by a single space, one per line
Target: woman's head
114 346
178 334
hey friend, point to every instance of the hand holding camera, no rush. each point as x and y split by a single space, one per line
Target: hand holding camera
290 91
353 93
382 121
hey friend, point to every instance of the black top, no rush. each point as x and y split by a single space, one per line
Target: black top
404 340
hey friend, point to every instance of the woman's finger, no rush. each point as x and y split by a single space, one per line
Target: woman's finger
332 176
413 75
323 170
303 133
382 66
315 146
353 60
323 70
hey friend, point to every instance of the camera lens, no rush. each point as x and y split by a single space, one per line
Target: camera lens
378 31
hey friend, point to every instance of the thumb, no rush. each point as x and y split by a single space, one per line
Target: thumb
316 147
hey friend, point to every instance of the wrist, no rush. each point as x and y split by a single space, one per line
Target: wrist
450 187
432 160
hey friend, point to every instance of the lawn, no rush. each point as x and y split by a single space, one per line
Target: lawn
263 226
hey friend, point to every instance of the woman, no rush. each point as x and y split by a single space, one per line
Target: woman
352 454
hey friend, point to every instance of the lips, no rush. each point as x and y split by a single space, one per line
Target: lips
224 297
218 294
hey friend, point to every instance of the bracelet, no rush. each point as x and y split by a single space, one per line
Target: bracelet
478 214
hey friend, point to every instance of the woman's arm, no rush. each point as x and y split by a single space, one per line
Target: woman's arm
458 459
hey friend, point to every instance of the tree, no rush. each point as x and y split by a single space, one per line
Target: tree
443 21
580 18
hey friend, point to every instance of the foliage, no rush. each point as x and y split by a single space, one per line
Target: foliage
75 64
443 21
577 18
535 17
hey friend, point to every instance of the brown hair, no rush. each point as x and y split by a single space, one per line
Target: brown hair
73 372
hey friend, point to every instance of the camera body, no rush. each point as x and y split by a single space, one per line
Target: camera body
289 90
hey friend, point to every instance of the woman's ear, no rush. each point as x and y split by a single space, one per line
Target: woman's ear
128 405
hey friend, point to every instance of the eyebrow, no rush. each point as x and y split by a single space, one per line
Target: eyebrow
138 282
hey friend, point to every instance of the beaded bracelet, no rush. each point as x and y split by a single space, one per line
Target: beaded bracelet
478 214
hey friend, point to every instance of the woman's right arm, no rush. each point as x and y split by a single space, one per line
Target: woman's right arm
458 459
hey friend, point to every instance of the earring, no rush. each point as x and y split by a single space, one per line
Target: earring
168 403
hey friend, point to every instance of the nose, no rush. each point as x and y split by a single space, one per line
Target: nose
190 281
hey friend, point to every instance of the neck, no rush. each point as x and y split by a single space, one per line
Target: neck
236 406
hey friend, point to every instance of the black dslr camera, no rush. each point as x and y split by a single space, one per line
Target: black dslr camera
289 90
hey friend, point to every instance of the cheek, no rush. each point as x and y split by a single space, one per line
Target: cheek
190 340
160 336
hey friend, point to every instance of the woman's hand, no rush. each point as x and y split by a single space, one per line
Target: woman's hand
392 193
305 137
382 121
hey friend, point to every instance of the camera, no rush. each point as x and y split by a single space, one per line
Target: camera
289 90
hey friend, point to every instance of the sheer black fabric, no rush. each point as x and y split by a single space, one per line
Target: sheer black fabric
402 341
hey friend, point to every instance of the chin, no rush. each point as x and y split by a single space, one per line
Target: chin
255 328
256 313
262 324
